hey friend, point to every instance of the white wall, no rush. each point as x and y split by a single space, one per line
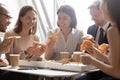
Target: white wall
82 13
80 6
13 6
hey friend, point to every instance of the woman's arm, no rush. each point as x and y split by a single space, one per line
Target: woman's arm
99 55
50 50
114 41
113 68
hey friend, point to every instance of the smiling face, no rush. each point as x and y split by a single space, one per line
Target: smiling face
28 20
64 20
97 16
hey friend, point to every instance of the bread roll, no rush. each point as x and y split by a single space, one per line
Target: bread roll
88 37
103 47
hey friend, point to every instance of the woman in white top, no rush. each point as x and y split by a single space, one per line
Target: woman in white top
111 11
69 39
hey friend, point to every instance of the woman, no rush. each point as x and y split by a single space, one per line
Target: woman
25 28
111 11
69 38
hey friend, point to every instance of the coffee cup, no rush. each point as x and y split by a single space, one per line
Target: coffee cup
14 60
76 56
64 55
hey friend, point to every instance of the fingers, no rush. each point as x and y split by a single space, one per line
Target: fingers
42 49
36 50
86 59
53 38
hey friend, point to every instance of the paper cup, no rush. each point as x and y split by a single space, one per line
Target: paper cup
76 56
64 55
14 60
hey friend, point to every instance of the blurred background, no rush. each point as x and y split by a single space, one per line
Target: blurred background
47 13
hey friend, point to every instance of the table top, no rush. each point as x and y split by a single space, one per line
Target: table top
42 72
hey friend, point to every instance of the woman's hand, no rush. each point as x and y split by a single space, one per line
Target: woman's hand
95 43
36 50
86 59
50 42
40 50
93 51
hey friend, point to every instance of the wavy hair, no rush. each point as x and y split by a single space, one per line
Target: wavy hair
113 7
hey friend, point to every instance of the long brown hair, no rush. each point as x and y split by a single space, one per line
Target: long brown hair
113 7
23 11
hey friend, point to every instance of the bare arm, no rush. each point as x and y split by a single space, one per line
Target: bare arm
101 56
49 50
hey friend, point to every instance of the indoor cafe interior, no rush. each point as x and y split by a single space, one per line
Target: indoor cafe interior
48 40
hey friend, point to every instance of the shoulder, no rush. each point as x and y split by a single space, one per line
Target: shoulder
10 33
92 26
78 31
113 33
36 37
113 30
91 29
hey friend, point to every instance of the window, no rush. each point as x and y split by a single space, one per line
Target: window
47 13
